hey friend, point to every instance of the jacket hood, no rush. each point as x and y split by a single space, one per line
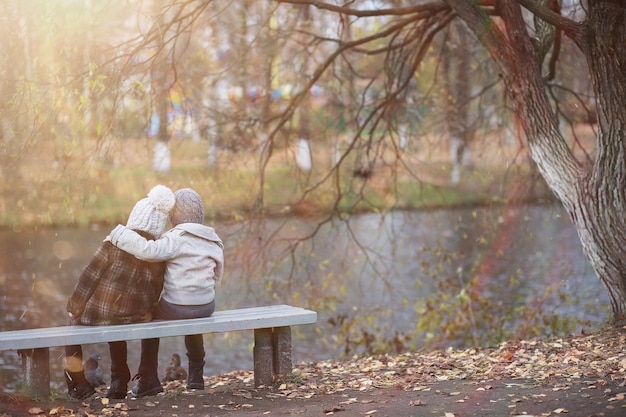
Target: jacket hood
202 231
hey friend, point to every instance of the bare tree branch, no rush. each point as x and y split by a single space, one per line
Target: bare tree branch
432 6
572 29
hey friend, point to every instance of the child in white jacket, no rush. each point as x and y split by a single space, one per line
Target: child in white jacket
194 257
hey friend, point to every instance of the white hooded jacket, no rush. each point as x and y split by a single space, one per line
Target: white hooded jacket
194 256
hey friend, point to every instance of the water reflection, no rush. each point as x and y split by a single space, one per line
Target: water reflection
346 269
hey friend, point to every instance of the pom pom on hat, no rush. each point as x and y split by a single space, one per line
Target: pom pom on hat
150 213
188 208
162 198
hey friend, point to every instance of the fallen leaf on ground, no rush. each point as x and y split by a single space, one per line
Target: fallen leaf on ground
349 401
334 409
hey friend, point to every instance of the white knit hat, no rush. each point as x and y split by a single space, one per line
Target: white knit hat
150 214
188 208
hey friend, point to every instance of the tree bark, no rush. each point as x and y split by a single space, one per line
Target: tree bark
601 216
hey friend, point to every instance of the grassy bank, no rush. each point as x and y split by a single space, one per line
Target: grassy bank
82 183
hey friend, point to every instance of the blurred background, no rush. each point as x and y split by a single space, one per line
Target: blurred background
396 200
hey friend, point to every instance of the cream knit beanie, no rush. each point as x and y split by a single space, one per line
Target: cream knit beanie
150 214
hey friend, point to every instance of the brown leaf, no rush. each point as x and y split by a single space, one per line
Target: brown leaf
349 401
334 409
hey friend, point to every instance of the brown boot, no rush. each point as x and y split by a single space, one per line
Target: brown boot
195 380
78 388
120 376
146 386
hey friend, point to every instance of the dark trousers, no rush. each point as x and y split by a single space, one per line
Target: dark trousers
117 350
194 344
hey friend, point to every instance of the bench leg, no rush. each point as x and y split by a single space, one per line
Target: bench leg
263 357
281 344
272 354
36 369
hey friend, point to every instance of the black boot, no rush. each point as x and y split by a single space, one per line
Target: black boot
71 386
120 375
146 386
149 383
195 380
78 387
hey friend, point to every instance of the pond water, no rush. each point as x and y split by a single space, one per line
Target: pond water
368 276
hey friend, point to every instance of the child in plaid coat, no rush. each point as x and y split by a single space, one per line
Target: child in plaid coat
117 288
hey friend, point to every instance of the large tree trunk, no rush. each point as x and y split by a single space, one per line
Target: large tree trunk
594 196
601 215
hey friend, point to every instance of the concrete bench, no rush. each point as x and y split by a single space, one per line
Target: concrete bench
271 325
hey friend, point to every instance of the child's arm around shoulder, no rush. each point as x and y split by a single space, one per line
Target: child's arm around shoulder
132 242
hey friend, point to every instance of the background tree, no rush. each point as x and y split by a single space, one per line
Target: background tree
457 93
593 194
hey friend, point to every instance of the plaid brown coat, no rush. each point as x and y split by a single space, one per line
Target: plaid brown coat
116 288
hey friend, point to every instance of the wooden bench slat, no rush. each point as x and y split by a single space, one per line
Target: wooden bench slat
221 321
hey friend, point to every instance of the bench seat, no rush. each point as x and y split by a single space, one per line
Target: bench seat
271 325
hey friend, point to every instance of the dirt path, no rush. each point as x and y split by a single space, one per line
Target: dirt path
457 398
578 376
